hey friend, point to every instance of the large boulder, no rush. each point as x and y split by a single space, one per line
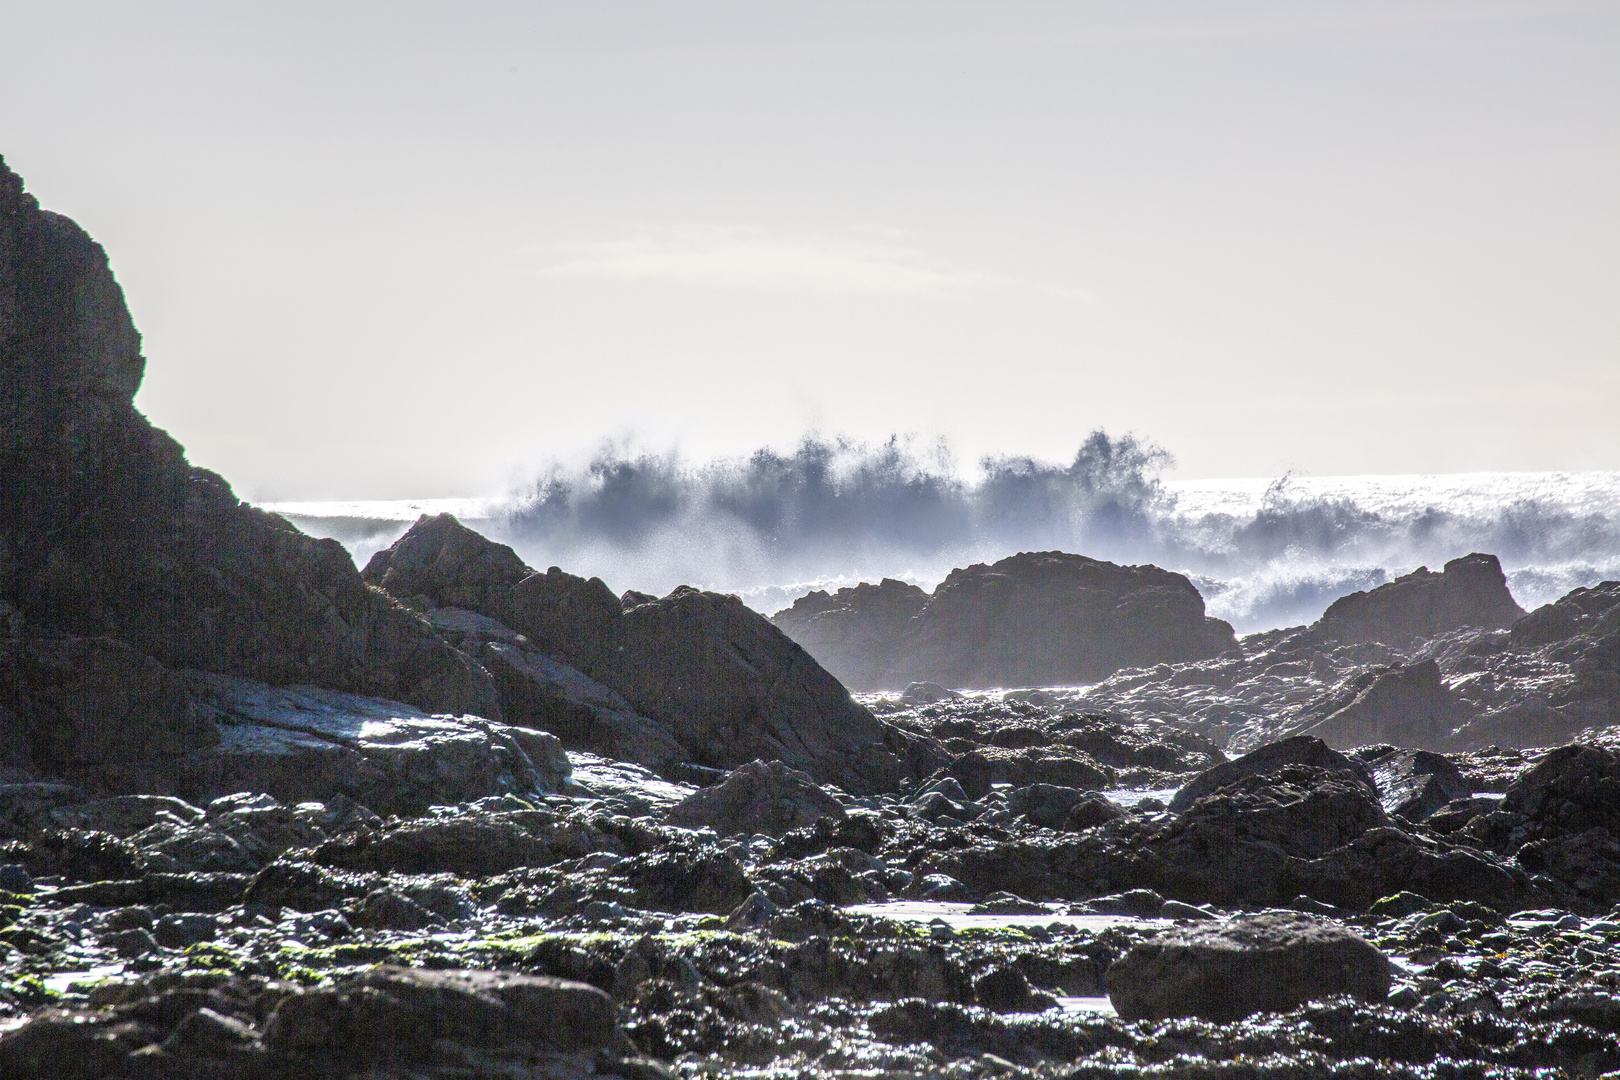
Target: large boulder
107 531
1227 970
1051 618
1408 705
716 677
1298 750
857 633
1470 591
759 797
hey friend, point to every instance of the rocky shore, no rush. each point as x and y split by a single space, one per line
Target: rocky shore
263 814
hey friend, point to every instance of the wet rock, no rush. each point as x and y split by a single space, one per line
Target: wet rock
303 743
1413 784
15 878
1005 989
391 1017
1407 706
1227 970
470 844
1299 750
1469 592
131 943
180 892
542 691
385 909
684 880
126 815
74 855
176 931
1096 809
757 798
1142 903
1048 805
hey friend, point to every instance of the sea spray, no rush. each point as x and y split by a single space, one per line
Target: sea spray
773 525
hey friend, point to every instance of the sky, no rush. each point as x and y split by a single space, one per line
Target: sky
392 250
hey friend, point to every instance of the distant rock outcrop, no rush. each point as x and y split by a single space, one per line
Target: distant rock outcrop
1470 591
107 532
1034 619
856 633
716 678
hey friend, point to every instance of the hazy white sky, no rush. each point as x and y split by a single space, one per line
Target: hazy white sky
405 249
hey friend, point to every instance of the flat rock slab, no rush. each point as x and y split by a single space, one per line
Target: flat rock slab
1231 969
302 742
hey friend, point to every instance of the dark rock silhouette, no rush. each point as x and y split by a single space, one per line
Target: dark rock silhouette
1033 619
716 677
857 633
1470 591
107 532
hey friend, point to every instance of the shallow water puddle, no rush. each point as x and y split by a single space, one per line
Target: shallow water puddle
957 916
1126 798
1087 1006
606 778
62 981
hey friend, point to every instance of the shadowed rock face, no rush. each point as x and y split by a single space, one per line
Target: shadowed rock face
1407 706
105 530
857 633
1470 591
715 676
1034 619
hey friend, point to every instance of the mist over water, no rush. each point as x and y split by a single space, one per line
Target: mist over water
832 512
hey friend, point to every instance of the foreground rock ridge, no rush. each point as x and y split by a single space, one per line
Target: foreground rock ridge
264 816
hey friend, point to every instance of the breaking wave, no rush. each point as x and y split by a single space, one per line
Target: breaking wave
831 512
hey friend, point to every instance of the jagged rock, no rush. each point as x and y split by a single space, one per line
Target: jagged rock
857 633
716 677
1413 784
107 533
757 798
1405 706
1033 619
1298 809
542 691
1224 971
125 815
1299 750
1470 591
1591 611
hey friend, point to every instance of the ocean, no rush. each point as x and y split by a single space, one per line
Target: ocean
1264 552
